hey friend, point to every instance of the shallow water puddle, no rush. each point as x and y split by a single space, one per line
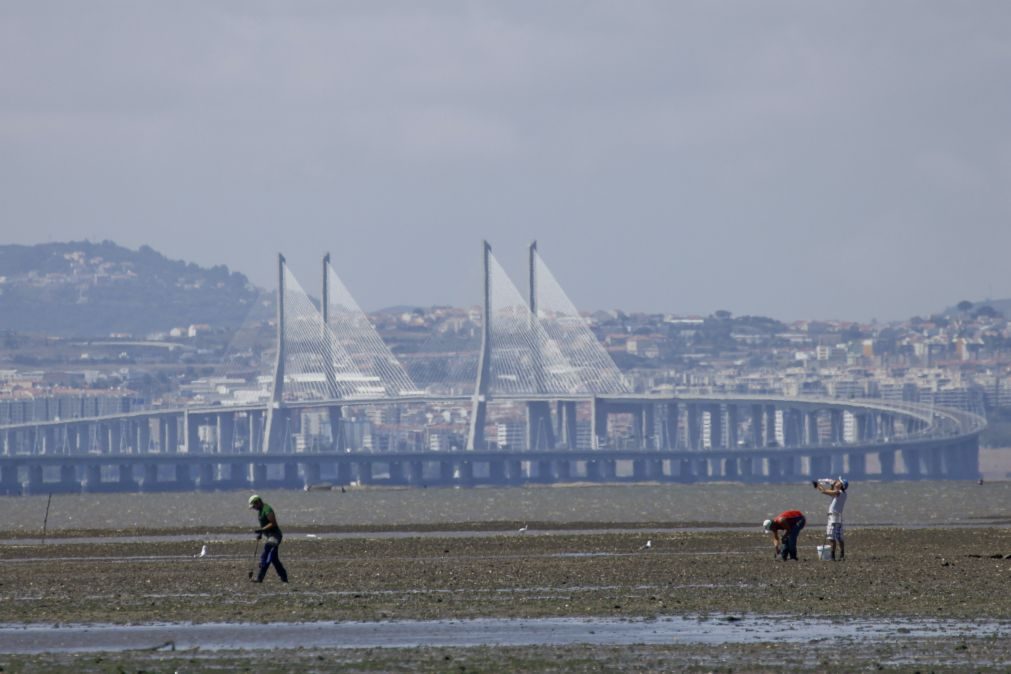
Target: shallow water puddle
27 639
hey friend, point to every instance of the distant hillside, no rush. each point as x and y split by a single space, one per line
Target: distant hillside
93 289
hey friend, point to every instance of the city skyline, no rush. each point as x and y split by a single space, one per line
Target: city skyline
830 162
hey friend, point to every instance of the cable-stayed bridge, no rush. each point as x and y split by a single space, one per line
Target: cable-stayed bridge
581 421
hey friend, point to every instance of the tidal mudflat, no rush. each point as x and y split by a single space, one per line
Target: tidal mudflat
906 598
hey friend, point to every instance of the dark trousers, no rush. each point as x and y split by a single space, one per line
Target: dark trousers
788 549
270 557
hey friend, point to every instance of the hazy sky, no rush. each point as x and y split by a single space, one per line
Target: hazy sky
797 160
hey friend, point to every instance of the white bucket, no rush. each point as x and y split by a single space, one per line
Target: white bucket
825 553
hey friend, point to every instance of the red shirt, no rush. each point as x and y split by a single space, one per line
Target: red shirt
787 519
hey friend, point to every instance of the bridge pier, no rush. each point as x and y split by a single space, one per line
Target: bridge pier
546 471
911 457
857 467
733 426
205 477
599 424
92 481
345 474
671 425
258 478
149 482
715 426
33 483
886 459
694 417
465 473
565 415
9 484
540 433
311 475
183 481
126 480
446 474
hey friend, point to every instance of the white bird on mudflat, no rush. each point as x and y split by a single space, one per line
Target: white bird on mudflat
202 553
647 545
523 529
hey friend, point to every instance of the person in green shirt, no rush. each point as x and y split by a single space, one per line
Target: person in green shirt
270 528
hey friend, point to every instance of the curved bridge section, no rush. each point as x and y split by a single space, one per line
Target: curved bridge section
627 438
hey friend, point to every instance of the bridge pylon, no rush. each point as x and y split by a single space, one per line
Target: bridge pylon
274 428
479 405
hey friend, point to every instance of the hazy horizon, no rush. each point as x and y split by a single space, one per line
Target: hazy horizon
792 160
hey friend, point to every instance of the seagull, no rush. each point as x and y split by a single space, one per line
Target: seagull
203 552
523 529
647 545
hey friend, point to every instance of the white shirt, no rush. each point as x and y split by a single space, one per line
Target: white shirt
837 504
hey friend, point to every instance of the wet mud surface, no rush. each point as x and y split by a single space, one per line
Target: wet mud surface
892 580
931 573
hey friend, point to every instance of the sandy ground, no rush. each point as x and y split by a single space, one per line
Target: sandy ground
930 573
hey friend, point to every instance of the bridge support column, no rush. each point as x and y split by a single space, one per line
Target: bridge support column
836 417
599 423
911 457
671 426
191 423
344 472
334 414
35 483
733 426
545 471
205 477
757 426
226 433
365 472
716 426
540 434
886 458
811 436
169 434
746 468
565 416
149 483
700 469
183 479
775 469
466 469
291 478
514 469
115 437
417 476
142 440
49 440
497 471
694 415
278 431
68 479
857 465
935 463
311 475
126 479
92 482
563 470
730 468
650 440
259 476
